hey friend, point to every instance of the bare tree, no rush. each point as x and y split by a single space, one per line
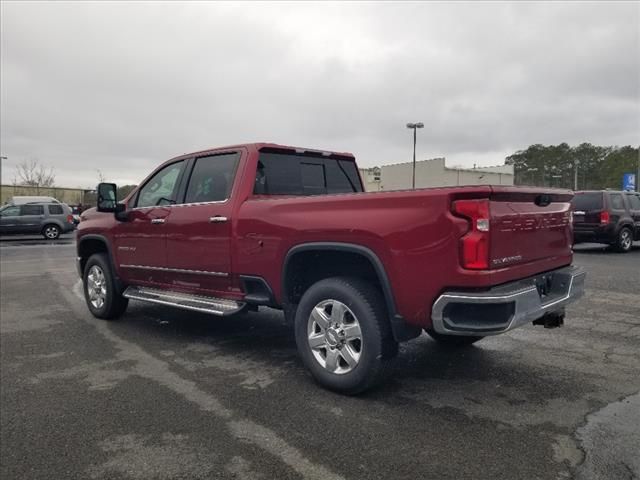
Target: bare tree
100 176
32 173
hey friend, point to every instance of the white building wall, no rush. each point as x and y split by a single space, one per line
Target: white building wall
371 179
434 173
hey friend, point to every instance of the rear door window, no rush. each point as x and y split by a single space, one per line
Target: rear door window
616 201
587 201
212 178
31 210
291 174
55 209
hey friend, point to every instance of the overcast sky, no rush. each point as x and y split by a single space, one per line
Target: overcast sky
122 86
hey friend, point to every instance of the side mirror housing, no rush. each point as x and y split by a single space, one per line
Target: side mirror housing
121 212
107 199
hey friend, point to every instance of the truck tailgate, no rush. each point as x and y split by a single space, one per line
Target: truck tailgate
529 225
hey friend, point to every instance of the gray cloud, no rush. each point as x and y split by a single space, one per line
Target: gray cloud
124 86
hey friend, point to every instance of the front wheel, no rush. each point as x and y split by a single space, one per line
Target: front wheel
343 334
453 341
51 232
100 290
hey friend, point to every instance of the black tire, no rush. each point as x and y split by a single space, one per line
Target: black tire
114 304
624 240
51 232
453 341
377 345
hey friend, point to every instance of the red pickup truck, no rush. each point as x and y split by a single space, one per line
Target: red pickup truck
236 228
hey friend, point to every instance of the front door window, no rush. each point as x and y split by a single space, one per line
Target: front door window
162 188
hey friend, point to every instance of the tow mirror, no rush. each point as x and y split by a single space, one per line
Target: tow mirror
107 199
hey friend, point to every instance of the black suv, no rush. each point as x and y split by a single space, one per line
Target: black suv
607 216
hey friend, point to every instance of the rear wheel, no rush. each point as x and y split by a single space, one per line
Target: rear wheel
100 291
51 232
453 341
343 334
624 241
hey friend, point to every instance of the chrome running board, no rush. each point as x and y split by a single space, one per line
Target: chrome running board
215 306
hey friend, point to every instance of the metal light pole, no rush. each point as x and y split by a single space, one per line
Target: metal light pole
414 126
575 175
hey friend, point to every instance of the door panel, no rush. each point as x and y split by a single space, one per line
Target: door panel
198 248
141 246
9 219
30 219
141 241
199 232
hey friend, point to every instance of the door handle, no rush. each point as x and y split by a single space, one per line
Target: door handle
157 221
217 219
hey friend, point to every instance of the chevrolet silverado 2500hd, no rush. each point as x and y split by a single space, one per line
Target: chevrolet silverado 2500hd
235 228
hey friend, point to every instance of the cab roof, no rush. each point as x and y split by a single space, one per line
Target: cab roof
261 146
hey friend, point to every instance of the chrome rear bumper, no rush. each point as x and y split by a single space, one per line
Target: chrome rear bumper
508 306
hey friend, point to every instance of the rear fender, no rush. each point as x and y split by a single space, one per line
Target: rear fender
401 330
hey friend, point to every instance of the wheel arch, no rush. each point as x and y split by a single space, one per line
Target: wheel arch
92 243
339 259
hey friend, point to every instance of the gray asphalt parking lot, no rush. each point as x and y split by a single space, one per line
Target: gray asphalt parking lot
164 393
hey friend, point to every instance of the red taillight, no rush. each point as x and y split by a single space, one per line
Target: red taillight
604 218
69 218
475 244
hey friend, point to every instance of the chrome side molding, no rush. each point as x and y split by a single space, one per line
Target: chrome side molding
176 270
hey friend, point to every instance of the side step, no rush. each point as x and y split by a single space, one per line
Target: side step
215 306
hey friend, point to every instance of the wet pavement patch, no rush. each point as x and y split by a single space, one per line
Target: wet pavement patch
611 440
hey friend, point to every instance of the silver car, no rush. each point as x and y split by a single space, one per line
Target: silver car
46 219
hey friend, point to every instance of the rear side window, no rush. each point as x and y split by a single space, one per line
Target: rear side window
55 209
587 201
616 201
31 210
212 178
287 174
634 201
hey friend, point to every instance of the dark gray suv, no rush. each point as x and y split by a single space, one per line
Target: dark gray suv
46 219
606 216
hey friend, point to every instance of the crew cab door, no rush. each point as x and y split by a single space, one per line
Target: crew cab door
140 242
199 230
30 219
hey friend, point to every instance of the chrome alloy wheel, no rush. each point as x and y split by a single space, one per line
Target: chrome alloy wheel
334 336
625 239
51 233
96 286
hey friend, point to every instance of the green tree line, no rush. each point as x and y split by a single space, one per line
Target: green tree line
598 167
